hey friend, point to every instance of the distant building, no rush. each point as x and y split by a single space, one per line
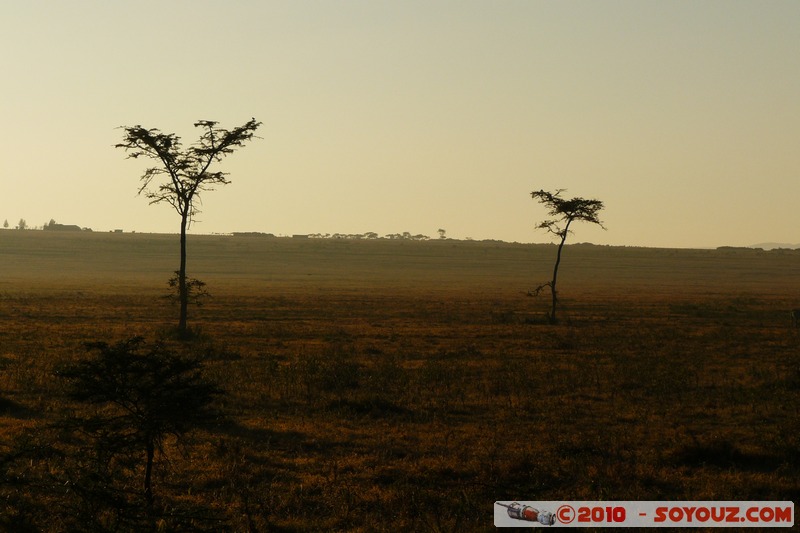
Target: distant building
61 227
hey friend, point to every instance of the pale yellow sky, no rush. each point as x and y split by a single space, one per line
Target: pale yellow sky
682 116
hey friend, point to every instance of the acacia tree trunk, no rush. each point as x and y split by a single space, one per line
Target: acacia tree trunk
183 293
553 291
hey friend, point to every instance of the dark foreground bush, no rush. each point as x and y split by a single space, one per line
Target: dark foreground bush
132 402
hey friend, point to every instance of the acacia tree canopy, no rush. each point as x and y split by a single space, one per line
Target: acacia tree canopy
566 211
188 171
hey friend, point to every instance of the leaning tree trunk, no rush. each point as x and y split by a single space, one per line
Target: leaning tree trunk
553 291
183 292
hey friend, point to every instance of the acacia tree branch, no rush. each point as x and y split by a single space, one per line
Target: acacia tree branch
538 290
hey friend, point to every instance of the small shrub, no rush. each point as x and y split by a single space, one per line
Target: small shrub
137 394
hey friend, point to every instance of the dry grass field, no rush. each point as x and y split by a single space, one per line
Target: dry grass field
407 386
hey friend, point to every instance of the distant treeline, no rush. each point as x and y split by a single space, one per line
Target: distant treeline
755 249
353 236
49 226
370 235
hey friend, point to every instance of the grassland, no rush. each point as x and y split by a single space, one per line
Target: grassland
395 385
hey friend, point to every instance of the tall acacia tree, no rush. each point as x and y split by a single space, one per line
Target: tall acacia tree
182 175
565 212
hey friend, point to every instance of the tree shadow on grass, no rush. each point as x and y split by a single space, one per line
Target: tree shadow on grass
374 407
12 409
727 455
291 441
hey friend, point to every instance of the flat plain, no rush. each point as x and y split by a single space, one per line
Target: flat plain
377 385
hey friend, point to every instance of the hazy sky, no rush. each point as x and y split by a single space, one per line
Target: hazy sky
392 116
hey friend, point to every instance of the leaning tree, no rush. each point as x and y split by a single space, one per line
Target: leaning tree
181 175
565 212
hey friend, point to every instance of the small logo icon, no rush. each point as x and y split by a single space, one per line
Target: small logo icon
518 511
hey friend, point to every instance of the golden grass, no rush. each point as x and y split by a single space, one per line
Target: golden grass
376 386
